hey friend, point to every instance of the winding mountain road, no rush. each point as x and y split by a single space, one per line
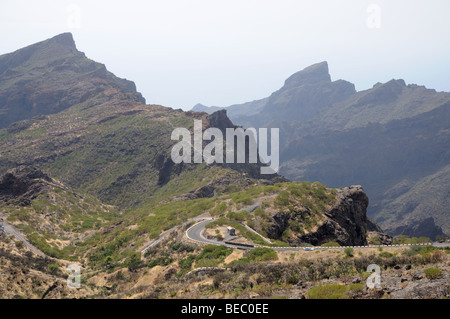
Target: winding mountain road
195 233
160 238
12 231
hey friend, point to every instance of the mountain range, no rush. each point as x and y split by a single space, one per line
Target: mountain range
393 139
87 179
85 129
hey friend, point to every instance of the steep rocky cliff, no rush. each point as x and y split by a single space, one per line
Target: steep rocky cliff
24 184
345 222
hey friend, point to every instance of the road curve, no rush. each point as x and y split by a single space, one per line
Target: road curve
195 232
11 230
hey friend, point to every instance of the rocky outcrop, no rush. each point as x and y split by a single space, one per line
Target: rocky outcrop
346 222
382 93
25 183
166 167
220 120
316 73
379 238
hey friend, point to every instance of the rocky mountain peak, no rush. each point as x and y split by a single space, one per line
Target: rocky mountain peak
316 73
40 54
220 120
383 93
50 76
63 39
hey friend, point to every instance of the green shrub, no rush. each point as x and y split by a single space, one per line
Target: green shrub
385 254
333 291
186 263
246 201
260 212
349 252
282 199
357 287
220 208
433 273
134 261
262 254
419 250
265 204
212 255
375 241
402 239
296 226
176 246
328 291
207 263
160 261
19 244
331 244
241 216
53 268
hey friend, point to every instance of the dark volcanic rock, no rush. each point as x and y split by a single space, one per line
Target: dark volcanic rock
280 221
346 222
379 238
24 183
220 120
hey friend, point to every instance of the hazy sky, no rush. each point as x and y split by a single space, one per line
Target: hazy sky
183 52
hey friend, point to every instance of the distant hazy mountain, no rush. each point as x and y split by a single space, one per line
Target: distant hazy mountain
392 134
235 111
303 95
207 109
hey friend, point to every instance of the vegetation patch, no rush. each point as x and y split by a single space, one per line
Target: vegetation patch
212 256
433 273
333 291
260 254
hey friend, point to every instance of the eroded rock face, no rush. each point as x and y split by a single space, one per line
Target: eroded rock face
24 183
346 222
220 120
379 238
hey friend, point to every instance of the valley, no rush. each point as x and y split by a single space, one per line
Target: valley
87 178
